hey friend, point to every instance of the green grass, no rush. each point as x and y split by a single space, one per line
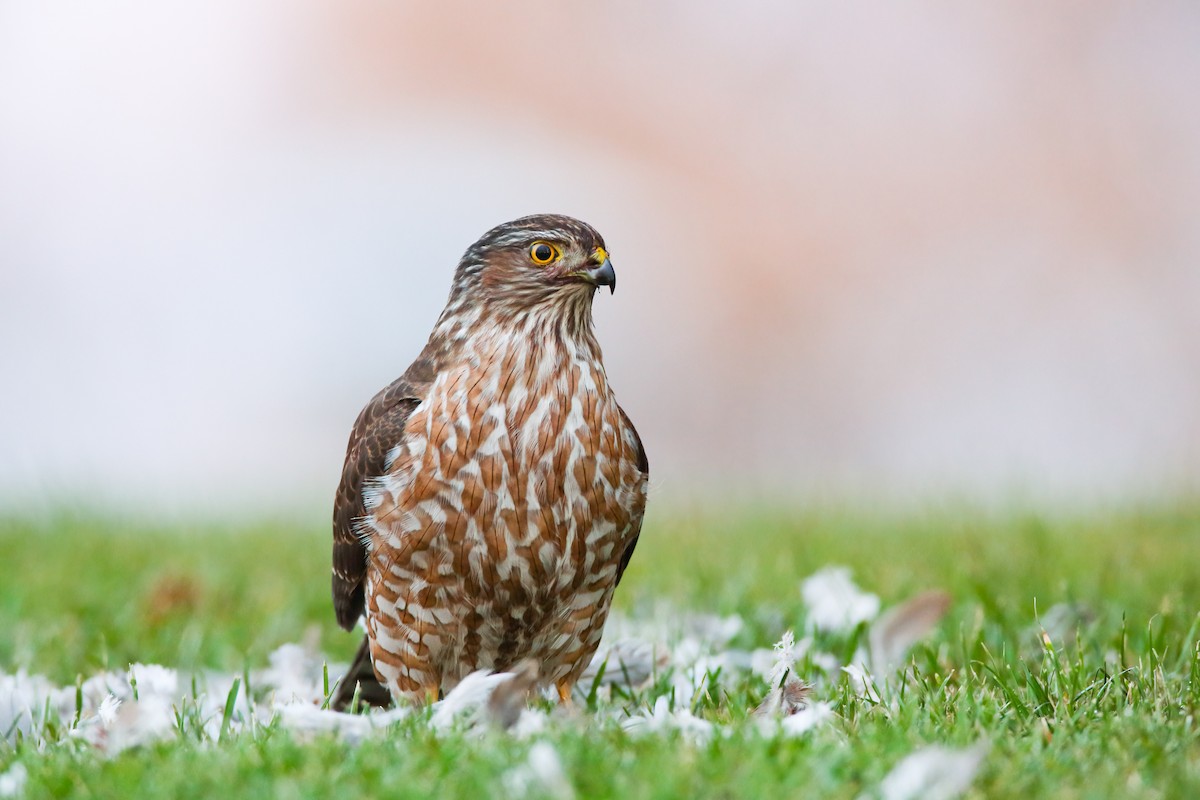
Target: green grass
1106 711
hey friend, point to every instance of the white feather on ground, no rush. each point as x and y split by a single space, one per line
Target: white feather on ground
806 719
894 633
835 603
933 773
661 718
661 660
541 775
12 780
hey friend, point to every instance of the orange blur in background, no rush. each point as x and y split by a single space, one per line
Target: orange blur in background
866 252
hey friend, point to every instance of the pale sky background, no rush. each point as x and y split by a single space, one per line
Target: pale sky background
878 252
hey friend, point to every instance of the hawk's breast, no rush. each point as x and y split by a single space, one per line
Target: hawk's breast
511 501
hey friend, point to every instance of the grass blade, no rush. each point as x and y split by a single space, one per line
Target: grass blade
230 702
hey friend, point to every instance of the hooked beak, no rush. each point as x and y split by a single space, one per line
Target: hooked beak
603 273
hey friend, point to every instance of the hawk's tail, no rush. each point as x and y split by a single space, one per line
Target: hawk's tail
360 678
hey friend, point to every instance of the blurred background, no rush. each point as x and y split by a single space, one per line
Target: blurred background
865 251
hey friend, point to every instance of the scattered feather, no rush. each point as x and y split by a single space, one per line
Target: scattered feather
661 719
659 664
805 719
309 721
784 701
510 697
629 663
785 659
12 781
531 723
835 603
894 633
467 701
136 723
295 674
541 775
933 773
153 681
719 630
762 661
863 682
107 712
664 623
788 699
23 699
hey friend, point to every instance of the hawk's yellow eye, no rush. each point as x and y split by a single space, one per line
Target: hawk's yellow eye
543 252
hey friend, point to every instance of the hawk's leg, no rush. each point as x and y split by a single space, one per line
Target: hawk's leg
361 678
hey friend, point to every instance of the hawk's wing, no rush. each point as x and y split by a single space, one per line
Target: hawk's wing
643 465
378 429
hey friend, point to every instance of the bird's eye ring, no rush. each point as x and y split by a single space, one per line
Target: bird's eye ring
543 253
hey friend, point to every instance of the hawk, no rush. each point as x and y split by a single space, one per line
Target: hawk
492 496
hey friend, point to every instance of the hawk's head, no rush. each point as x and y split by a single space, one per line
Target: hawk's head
540 260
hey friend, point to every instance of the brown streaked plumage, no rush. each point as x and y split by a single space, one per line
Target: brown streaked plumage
491 496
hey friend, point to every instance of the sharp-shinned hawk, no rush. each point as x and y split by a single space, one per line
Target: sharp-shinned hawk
492 496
